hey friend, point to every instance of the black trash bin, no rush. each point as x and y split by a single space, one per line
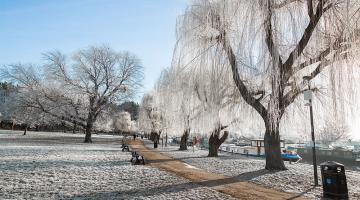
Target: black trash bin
155 145
334 180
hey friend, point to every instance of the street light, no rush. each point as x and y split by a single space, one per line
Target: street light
308 97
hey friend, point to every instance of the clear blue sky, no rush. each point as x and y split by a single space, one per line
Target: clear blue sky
144 27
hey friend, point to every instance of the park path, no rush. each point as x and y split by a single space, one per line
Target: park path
225 184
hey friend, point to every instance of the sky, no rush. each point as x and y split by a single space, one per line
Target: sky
146 28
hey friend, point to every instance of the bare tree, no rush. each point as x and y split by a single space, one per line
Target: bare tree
270 45
14 109
78 91
333 131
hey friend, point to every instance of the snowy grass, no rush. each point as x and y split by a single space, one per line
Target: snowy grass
60 166
298 179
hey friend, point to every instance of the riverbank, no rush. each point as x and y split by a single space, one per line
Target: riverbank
297 179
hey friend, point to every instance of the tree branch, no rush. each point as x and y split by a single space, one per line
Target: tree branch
290 97
292 94
249 99
261 93
223 137
284 3
287 66
273 50
336 46
310 8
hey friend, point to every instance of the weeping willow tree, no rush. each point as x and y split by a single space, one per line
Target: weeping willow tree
150 116
184 107
218 97
197 97
270 45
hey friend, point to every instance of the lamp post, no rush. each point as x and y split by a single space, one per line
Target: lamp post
308 96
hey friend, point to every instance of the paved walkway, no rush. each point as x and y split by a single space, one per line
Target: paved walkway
224 184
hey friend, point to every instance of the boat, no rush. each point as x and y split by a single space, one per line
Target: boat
290 156
344 155
256 148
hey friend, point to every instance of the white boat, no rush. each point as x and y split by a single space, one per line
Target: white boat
257 148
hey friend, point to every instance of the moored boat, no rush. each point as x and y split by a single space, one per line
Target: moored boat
256 148
290 156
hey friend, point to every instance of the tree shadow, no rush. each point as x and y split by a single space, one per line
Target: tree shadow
137 192
171 159
253 174
174 188
303 193
244 177
36 165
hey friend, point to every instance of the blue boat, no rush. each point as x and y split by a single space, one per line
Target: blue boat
290 156
256 148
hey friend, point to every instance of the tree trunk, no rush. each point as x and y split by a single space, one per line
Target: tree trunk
154 136
215 141
166 139
272 147
74 127
25 130
271 138
88 133
183 141
213 147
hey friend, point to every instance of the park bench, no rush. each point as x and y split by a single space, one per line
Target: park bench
125 147
137 159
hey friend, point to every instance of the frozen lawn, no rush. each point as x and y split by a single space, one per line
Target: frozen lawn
298 179
60 166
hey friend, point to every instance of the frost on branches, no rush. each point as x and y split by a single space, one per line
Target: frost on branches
260 51
77 90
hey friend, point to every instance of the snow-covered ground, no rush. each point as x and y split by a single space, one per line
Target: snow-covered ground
298 179
60 166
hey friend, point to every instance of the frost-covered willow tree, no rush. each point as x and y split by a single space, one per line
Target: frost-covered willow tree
183 106
218 98
207 95
77 90
165 103
186 104
150 116
122 122
270 45
197 97
172 101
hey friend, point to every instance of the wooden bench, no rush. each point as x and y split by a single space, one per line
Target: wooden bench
137 159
